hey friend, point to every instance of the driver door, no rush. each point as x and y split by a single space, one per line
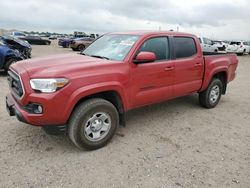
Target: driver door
153 81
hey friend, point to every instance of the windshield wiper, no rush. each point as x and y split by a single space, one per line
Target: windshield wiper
98 56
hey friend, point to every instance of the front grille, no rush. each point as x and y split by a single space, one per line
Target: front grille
15 83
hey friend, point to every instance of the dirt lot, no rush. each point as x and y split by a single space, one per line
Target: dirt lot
173 144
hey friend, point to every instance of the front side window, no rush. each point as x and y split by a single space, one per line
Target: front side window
159 46
113 47
184 47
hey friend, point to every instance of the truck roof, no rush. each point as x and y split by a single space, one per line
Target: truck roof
152 33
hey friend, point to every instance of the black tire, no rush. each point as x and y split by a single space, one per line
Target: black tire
9 62
80 47
74 49
204 96
81 117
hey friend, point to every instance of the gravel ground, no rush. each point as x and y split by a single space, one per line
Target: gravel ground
172 144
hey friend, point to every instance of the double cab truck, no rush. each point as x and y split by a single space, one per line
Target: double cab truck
87 95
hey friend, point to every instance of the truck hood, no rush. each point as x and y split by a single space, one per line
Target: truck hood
61 65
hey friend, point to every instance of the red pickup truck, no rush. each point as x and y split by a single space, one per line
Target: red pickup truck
87 95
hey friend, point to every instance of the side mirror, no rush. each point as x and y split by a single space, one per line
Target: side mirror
144 57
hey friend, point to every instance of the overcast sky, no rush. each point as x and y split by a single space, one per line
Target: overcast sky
221 19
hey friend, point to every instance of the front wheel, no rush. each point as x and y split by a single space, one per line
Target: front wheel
211 96
8 63
93 124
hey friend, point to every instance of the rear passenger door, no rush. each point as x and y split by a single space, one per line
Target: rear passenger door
189 66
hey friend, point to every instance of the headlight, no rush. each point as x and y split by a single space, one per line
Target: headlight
49 85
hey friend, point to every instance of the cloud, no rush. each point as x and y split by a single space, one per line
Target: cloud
113 15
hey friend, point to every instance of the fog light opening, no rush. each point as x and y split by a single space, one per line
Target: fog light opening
34 108
39 109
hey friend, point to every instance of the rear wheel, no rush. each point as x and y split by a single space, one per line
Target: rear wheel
80 47
8 63
93 124
211 96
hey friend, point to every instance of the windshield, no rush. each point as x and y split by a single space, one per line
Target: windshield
113 47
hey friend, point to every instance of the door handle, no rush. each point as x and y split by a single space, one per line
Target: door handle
198 64
169 68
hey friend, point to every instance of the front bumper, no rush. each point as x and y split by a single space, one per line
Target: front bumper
47 118
13 109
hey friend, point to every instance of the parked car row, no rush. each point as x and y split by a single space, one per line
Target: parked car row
79 42
237 47
36 40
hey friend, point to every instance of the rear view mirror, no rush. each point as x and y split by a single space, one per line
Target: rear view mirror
145 57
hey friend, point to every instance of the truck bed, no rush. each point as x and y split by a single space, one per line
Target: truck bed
224 61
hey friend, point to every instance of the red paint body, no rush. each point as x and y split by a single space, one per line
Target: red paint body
137 84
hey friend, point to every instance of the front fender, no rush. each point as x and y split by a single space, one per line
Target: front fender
88 90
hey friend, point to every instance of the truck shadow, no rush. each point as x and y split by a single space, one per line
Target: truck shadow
37 140
164 109
3 73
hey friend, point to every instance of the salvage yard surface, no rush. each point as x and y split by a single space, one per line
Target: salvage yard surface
172 144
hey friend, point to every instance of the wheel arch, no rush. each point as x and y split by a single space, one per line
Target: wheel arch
112 95
220 73
223 77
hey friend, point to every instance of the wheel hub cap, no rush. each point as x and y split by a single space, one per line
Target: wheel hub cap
214 94
97 126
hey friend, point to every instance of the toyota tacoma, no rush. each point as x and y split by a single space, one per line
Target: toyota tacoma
87 95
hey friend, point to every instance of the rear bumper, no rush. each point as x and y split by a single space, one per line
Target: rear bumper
237 51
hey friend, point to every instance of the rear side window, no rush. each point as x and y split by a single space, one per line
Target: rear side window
158 45
237 43
184 47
